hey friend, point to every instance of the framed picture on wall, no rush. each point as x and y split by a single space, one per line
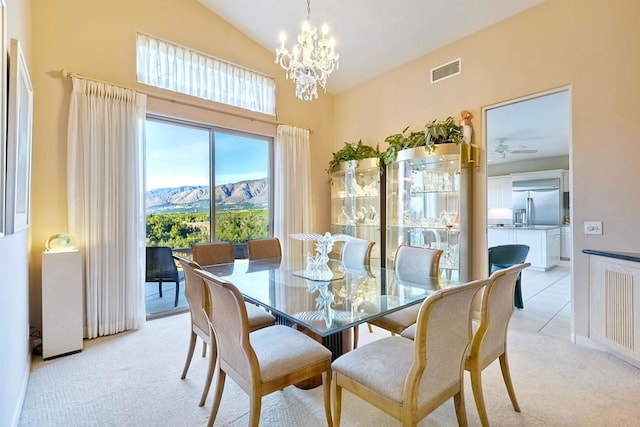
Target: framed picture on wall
20 105
3 116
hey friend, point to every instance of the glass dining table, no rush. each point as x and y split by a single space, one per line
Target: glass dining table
325 309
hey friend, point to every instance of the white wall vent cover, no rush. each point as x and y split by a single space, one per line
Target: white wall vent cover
447 70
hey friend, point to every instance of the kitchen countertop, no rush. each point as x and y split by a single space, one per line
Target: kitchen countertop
624 255
529 227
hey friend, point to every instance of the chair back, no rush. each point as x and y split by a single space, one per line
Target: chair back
160 265
213 253
264 248
506 255
196 294
356 253
443 334
228 316
414 264
490 339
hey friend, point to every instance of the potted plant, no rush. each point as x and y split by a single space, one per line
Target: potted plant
435 132
353 151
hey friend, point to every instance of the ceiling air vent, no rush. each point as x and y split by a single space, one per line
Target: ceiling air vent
445 71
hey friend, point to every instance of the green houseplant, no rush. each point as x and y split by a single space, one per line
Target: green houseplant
353 151
435 132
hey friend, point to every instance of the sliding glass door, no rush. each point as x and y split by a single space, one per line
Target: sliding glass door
203 184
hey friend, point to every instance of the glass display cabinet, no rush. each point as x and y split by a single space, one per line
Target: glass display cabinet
429 204
357 202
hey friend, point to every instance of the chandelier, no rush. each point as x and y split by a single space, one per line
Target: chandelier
312 59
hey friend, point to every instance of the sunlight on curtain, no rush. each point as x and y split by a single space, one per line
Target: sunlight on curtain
292 192
173 67
105 188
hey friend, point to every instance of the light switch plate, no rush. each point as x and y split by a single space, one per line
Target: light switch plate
593 227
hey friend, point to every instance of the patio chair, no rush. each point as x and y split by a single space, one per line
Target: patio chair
264 361
198 299
410 379
161 268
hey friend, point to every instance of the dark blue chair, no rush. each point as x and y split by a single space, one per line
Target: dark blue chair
161 268
504 256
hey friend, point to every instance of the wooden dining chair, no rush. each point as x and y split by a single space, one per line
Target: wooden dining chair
412 264
356 255
213 253
410 379
490 338
199 304
264 248
264 361
490 334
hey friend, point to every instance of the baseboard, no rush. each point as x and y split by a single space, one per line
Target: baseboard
23 392
583 341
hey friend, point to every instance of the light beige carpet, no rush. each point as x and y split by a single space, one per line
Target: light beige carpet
133 379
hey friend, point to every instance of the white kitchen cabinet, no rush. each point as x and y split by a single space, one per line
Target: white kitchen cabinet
62 274
543 242
566 181
501 236
499 192
566 242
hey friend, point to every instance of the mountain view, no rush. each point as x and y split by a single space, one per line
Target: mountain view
243 195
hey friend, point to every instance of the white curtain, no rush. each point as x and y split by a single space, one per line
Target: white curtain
292 192
173 67
105 202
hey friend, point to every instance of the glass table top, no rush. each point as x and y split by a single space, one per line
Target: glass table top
325 307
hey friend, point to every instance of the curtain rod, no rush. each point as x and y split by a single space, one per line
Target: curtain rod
69 74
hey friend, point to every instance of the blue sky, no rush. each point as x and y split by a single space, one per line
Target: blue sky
179 155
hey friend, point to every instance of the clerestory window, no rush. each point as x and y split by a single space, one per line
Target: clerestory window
177 68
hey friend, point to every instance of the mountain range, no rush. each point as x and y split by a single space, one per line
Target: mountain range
249 194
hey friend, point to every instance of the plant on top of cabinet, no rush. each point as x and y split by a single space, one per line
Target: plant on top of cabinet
435 132
353 151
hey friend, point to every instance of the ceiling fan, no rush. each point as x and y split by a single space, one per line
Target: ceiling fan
502 149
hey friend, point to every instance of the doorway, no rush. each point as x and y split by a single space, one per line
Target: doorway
529 140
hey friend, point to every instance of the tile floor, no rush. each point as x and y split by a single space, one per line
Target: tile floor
157 306
547 302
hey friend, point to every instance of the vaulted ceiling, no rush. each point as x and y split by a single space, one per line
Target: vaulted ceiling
372 36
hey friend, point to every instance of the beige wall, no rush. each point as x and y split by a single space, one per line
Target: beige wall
97 39
591 45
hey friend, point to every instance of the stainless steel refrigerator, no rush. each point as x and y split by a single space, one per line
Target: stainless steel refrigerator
537 202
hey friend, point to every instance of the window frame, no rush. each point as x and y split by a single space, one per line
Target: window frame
212 129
